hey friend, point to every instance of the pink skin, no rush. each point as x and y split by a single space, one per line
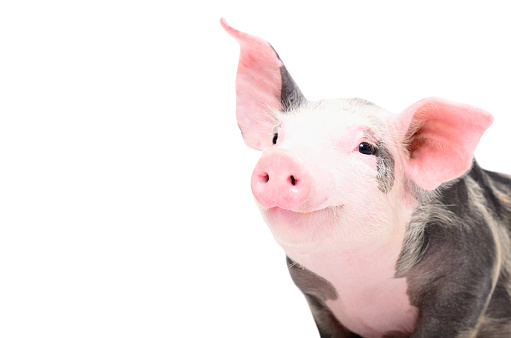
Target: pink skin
371 301
280 181
331 217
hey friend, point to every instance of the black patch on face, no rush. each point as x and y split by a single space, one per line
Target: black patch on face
385 168
310 283
290 95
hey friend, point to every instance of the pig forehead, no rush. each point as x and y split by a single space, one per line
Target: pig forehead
336 116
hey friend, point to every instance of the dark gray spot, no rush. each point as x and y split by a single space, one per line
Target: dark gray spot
453 281
327 324
385 167
500 179
310 283
317 290
290 95
483 179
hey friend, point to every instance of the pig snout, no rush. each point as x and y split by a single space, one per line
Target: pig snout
279 180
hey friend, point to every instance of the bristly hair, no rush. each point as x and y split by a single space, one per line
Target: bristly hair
416 241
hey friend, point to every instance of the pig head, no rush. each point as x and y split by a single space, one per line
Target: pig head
341 184
344 157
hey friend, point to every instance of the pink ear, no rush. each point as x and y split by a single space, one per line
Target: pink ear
441 137
260 86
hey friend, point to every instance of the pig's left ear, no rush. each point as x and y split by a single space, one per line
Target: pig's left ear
441 137
263 85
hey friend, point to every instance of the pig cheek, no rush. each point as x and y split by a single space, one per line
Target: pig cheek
334 176
323 192
363 202
355 181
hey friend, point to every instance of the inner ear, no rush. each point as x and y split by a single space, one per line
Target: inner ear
432 135
441 138
263 85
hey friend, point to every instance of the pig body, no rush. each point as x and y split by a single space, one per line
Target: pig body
454 258
390 227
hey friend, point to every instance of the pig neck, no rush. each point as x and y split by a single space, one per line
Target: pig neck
363 275
367 266
370 300
372 260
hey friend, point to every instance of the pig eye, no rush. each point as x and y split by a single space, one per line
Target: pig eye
366 148
275 137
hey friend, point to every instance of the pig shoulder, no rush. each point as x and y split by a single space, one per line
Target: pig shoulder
462 272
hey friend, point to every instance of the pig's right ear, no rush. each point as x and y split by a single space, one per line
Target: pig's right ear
263 86
440 137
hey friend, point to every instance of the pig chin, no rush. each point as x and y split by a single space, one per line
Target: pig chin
301 230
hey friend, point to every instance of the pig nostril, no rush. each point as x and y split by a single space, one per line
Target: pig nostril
264 178
292 180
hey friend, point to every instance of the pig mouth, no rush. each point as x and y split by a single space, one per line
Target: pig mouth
311 209
305 231
328 209
306 208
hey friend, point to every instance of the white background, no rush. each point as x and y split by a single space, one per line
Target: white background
125 205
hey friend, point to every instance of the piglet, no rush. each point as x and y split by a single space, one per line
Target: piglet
390 227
